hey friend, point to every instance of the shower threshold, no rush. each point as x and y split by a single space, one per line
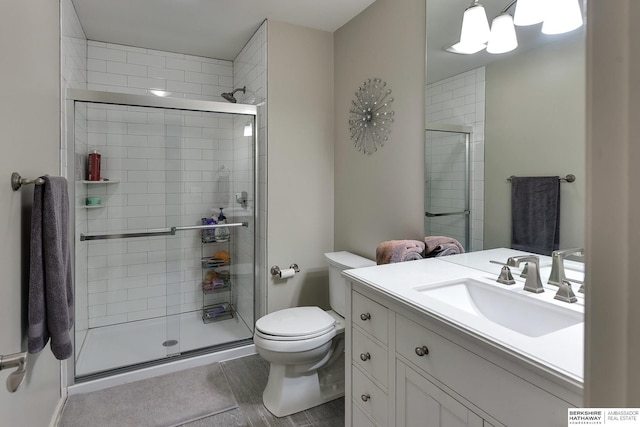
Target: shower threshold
126 344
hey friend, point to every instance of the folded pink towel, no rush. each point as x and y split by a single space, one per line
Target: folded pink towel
399 251
441 246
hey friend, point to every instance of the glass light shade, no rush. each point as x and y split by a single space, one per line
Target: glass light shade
248 130
503 35
475 27
563 16
530 12
466 48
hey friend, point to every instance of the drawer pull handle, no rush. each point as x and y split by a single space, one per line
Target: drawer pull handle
365 397
365 316
365 356
422 351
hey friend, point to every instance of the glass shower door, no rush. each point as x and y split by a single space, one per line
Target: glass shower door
141 264
447 185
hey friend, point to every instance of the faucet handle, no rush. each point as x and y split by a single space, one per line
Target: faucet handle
505 276
565 293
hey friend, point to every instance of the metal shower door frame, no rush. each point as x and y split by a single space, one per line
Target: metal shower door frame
466 131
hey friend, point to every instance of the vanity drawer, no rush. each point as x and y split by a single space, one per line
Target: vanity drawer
360 419
370 316
370 357
486 385
371 399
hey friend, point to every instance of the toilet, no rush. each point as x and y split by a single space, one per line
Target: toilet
305 346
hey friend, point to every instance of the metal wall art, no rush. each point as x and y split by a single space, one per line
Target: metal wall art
370 116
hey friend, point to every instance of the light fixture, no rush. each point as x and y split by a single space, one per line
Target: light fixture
530 12
559 16
248 129
503 34
565 16
475 26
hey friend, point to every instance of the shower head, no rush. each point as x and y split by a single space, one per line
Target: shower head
229 95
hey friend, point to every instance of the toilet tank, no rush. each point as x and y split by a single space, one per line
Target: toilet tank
338 262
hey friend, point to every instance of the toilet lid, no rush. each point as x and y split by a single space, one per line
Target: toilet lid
295 322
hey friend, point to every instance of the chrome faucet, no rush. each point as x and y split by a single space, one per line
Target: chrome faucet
557 264
532 282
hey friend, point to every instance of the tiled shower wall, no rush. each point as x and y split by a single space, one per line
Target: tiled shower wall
73 75
125 69
460 100
250 71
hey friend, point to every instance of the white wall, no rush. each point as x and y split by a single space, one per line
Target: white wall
535 125
379 197
612 345
300 163
30 123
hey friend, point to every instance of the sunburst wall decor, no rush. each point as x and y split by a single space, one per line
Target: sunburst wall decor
370 116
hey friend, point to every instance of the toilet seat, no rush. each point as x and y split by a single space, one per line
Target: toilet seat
297 323
292 346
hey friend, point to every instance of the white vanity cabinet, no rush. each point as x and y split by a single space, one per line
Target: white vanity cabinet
408 369
421 403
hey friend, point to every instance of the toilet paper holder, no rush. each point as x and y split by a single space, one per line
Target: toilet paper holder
275 270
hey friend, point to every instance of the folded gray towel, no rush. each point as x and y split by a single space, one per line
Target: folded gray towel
50 301
399 251
441 246
535 214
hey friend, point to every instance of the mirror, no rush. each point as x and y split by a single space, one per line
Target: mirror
526 113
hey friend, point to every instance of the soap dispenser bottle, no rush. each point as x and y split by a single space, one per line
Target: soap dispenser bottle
222 233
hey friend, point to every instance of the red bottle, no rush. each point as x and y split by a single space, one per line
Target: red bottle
93 173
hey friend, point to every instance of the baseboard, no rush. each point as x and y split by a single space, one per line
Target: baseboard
57 413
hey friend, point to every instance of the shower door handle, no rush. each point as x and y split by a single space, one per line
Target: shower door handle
431 215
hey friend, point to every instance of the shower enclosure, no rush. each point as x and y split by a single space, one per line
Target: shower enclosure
447 186
157 275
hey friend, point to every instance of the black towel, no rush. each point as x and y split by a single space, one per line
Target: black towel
50 304
535 214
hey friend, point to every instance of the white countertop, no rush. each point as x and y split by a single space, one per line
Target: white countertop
560 352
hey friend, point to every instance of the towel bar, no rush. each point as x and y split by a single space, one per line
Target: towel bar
16 360
569 178
431 215
17 181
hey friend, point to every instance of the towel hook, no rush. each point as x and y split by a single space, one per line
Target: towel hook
17 181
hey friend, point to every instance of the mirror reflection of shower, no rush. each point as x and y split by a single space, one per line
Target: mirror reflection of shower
229 96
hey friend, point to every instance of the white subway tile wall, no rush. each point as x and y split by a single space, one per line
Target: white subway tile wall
73 75
126 69
458 100
250 71
169 168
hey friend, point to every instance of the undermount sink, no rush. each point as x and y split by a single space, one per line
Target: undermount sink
519 313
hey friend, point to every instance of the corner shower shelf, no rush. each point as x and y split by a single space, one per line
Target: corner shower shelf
87 182
111 181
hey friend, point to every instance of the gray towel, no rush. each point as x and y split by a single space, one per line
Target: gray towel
50 303
535 214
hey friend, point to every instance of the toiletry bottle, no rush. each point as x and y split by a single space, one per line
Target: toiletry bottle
93 167
222 233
